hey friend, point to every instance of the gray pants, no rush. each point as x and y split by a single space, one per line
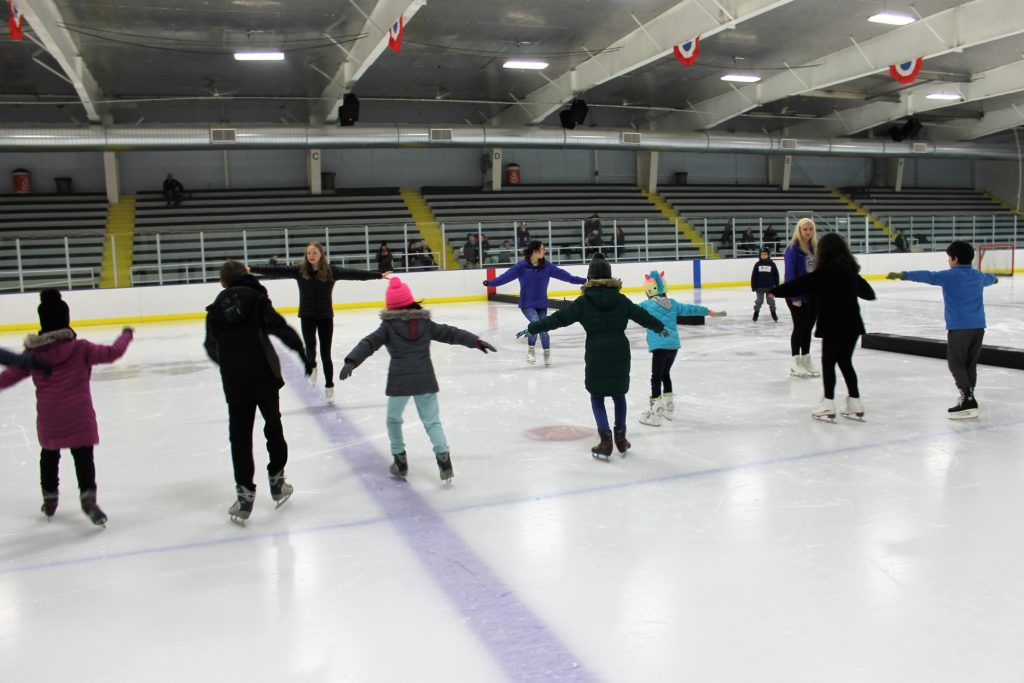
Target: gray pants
963 349
760 300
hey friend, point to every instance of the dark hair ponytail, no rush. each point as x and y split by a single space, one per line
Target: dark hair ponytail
531 246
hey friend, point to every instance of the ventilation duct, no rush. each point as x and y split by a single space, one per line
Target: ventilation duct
124 138
630 138
222 135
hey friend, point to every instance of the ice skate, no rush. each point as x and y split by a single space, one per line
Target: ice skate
826 410
313 375
547 358
400 467
49 507
444 466
280 490
621 442
775 316
668 406
329 394
854 409
965 409
757 312
603 450
242 508
652 416
796 367
811 371
91 509
531 355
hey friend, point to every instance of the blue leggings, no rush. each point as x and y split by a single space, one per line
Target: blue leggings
533 315
601 414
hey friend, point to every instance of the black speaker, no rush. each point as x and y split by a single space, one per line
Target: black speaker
908 131
348 112
568 122
579 111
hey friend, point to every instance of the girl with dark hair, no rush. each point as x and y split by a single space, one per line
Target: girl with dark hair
534 272
315 277
836 284
385 261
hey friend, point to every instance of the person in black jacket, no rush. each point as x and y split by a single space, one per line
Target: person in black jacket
836 284
764 276
237 325
385 261
174 191
316 277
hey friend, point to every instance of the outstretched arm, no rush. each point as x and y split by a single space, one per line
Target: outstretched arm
506 277
562 318
642 317
801 286
275 272
355 274
12 375
448 334
566 276
276 325
864 290
101 353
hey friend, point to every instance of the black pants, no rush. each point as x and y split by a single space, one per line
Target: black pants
963 350
85 469
324 328
804 317
661 365
241 417
839 351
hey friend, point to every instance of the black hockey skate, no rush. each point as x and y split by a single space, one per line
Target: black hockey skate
603 450
91 509
621 442
444 466
280 490
242 508
49 507
966 408
400 467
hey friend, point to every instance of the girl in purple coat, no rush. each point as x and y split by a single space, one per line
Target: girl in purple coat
64 414
534 272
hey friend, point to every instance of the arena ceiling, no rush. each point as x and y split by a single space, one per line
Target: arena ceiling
824 67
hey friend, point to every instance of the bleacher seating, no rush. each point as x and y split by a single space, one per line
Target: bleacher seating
556 214
34 226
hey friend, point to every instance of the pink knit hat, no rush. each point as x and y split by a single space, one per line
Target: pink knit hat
398 294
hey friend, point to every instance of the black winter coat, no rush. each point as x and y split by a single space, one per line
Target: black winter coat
604 313
237 325
765 275
836 293
407 334
315 299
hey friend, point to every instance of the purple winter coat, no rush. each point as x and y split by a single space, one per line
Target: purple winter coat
64 414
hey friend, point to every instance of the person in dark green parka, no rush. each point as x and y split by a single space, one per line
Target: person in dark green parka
604 312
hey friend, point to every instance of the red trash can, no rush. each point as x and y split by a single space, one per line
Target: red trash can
512 175
22 181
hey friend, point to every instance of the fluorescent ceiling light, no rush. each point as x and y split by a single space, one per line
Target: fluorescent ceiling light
525 64
741 78
944 96
259 56
891 18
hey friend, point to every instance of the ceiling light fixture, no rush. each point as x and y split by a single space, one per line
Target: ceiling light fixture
259 56
944 96
741 78
525 64
891 18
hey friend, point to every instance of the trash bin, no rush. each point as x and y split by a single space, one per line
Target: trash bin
63 185
22 181
512 174
327 181
681 177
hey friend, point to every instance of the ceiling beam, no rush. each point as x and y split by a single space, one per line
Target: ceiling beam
1003 80
48 25
651 41
952 30
996 121
363 54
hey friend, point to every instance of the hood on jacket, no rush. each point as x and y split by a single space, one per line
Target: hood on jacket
407 315
51 346
603 293
236 303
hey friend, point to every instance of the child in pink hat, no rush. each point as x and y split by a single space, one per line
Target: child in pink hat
407 330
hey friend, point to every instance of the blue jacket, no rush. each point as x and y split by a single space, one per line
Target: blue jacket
533 281
667 310
765 275
962 292
796 266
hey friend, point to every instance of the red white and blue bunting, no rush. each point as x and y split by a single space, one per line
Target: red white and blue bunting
15 21
906 72
395 34
687 52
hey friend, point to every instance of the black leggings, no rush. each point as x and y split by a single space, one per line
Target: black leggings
661 365
324 328
839 351
241 418
85 468
803 324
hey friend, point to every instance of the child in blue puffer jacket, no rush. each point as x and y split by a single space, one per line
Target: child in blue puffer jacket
664 349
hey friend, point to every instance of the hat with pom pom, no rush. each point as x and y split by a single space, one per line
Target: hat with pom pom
398 294
53 311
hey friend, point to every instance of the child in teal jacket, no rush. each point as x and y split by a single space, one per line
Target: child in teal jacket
664 348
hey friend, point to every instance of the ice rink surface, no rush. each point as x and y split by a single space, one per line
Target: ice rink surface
742 541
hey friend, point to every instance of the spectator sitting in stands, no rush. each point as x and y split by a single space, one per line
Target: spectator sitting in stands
485 250
727 239
385 262
174 191
593 243
899 241
593 223
747 240
471 252
770 238
507 252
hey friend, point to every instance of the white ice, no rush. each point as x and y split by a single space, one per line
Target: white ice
742 541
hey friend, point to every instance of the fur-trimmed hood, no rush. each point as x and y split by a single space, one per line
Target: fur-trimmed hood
405 314
612 282
37 341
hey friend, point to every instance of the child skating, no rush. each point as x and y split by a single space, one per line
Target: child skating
664 348
763 278
65 415
406 330
604 312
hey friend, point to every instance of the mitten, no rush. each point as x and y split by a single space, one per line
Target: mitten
346 371
522 333
484 346
894 276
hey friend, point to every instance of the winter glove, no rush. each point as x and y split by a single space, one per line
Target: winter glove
40 364
522 333
894 276
128 329
487 283
665 333
484 346
346 371
718 314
